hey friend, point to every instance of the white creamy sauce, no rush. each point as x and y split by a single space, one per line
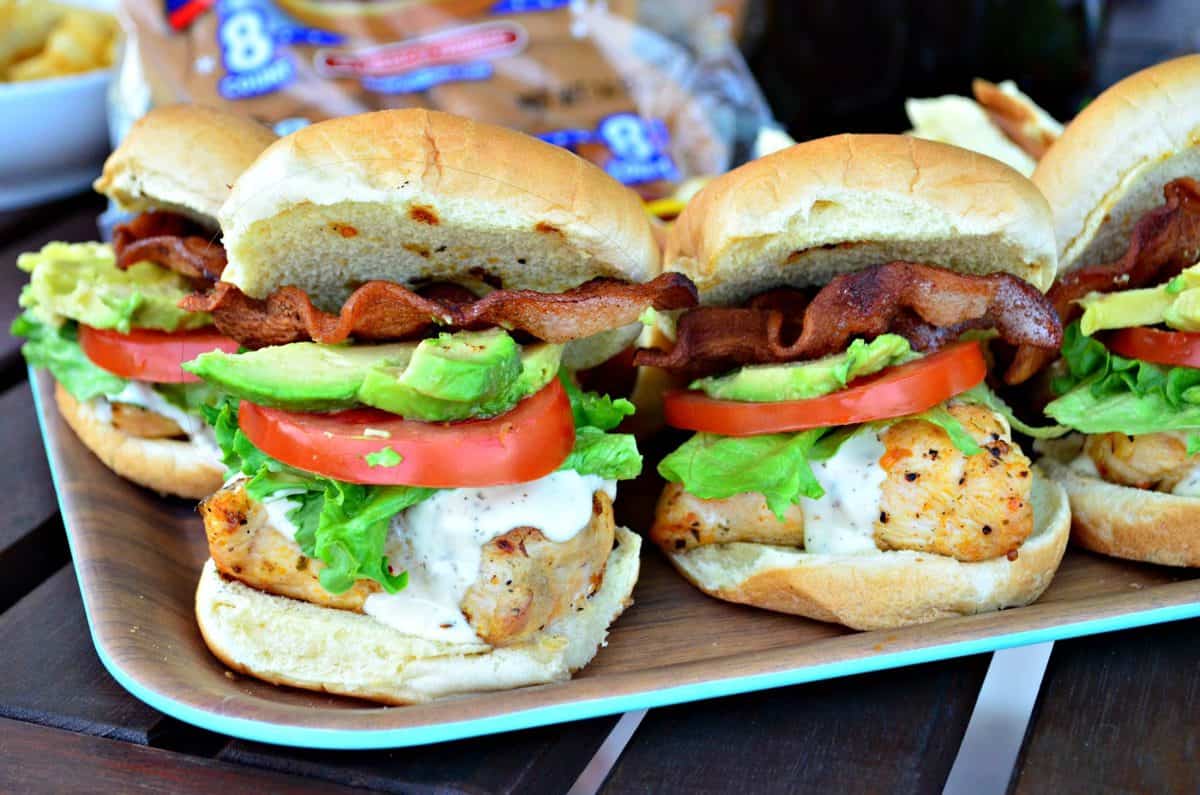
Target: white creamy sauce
439 543
138 393
1084 465
843 521
277 506
1190 485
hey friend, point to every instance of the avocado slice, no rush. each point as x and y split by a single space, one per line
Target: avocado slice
450 377
460 376
803 380
1175 303
300 376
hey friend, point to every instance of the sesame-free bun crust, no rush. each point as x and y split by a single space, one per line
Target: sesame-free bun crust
890 589
818 209
290 642
1124 522
183 158
1110 164
413 196
168 466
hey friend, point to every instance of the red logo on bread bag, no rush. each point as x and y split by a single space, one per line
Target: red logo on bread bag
485 41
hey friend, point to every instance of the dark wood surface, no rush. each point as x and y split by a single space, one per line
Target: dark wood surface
1117 712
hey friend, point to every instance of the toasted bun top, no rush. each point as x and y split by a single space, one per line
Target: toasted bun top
1112 160
810 212
183 158
415 195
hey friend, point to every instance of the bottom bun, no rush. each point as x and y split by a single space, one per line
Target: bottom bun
1124 522
168 466
290 642
888 589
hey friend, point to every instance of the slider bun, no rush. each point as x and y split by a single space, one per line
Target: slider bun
414 195
834 205
889 589
1110 164
182 158
168 466
1124 522
289 642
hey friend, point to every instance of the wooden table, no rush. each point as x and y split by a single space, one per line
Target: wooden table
1116 712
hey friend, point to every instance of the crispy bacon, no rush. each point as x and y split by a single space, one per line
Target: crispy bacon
1165 241
171 241
926 304
381 310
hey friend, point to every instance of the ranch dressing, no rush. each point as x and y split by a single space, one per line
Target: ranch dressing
439 543
139 393
843 521
1190 485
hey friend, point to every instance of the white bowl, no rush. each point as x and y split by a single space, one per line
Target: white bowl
53 137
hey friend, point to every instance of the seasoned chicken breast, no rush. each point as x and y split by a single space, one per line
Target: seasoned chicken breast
1157 461
524 581
144 423
932 499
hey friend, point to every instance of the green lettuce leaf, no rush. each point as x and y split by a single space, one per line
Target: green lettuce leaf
775 464
612 456
1102 392
57 349
81 282
594 410
984 396
343 525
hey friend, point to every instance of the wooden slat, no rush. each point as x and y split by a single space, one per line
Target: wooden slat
1118 714
51 672
32 543
888 732
39 759
71 221
537 761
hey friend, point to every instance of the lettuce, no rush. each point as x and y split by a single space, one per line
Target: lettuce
1102 392
57 349
983 396
343 525
594 410
612 456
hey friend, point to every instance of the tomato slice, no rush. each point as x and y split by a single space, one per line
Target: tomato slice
527 443
1172 348
148 355
906 389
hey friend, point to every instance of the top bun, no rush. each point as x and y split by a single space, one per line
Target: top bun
183 158
415 195
1110 164
834 205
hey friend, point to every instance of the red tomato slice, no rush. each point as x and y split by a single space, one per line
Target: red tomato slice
147 355
527 443
907 389
1172 348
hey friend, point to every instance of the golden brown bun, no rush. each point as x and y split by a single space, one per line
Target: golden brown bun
1110 164
889 589
167 466
1137 524
289 642
807 213
415 195
183 158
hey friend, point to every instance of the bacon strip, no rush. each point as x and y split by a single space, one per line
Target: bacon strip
388 311
926 304
170 240
1164 242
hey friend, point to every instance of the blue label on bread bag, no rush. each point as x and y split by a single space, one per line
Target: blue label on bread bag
430 76
252 35
525 6
638 147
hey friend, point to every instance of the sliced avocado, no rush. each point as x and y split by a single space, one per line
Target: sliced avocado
301 376
1184 313
463 375
803 380
1175 303
450 377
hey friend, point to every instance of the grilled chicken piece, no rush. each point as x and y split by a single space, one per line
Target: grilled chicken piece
245 548
683 521
1157 461
524 582
933 499
936 499
144 423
